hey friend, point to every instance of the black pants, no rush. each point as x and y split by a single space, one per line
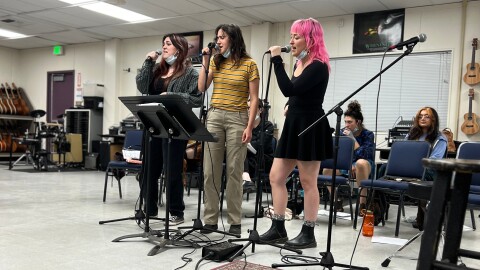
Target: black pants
158 156
250 164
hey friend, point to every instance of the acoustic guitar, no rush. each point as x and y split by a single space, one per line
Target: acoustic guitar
3 145
5 100
472 76
470 125
6 138
15 100
23 103
3 110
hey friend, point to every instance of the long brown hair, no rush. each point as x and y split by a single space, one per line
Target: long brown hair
237 44
181 44
433 130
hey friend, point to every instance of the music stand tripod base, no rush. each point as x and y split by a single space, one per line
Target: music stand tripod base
167 117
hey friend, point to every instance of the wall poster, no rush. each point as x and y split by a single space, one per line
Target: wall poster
376 31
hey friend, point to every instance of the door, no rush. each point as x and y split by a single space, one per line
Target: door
60 93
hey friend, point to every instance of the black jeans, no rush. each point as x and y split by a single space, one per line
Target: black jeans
158 155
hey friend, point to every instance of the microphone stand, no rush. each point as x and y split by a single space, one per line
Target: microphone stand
253 237
327 257
197 223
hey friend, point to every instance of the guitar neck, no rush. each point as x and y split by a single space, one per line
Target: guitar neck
472 64
470 98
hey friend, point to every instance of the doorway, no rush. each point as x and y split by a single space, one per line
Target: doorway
60 93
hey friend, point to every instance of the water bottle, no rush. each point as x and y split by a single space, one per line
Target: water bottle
368 224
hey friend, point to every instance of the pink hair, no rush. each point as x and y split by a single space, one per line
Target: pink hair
312 31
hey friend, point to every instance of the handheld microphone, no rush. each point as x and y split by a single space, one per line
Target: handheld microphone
286 49
420 38
211 46
157 52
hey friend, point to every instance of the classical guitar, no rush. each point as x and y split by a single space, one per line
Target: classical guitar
10 99
15 100
470 125
5 101
11 136
3 110
6 138
23 103
472 76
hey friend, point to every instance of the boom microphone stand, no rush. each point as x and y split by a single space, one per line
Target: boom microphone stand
327 257
197 223
253 237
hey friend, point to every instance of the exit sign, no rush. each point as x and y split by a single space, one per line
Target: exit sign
58 50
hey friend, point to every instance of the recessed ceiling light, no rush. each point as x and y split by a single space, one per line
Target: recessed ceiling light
109 10
11 34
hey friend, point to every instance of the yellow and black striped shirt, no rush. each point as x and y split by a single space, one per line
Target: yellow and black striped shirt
231 84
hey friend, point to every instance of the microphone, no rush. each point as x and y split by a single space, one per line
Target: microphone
211 46
286 48
420 38
158 52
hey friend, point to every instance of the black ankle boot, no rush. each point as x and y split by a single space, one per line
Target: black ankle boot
276 233
306 239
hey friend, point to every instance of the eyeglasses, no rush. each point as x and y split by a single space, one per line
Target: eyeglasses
426 116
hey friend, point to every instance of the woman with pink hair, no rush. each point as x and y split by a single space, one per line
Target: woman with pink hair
306 91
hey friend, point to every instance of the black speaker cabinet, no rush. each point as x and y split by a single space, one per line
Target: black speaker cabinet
87 122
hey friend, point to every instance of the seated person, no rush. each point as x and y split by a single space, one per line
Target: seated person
251 159
363 156
192 152
426 127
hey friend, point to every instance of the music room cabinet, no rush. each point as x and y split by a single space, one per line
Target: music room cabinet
86 122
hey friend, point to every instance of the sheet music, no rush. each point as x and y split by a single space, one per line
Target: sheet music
151 104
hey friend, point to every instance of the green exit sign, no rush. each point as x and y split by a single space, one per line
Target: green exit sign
58 50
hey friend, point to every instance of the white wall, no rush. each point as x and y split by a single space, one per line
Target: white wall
33 65
442 24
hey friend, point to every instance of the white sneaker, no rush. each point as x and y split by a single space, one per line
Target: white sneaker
411 219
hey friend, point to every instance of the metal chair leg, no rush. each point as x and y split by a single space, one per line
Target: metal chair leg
105 186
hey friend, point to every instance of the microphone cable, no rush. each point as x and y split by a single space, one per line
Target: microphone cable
370 198
211 159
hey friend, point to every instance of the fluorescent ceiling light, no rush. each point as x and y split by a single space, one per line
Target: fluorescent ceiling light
10 34
109 10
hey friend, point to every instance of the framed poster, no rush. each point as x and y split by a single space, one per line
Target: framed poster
376 31
195 43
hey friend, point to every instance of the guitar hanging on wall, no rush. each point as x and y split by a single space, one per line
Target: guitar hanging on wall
472 76
470 125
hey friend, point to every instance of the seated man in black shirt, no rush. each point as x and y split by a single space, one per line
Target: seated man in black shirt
254 147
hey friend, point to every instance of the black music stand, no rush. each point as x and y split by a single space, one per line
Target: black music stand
164 117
